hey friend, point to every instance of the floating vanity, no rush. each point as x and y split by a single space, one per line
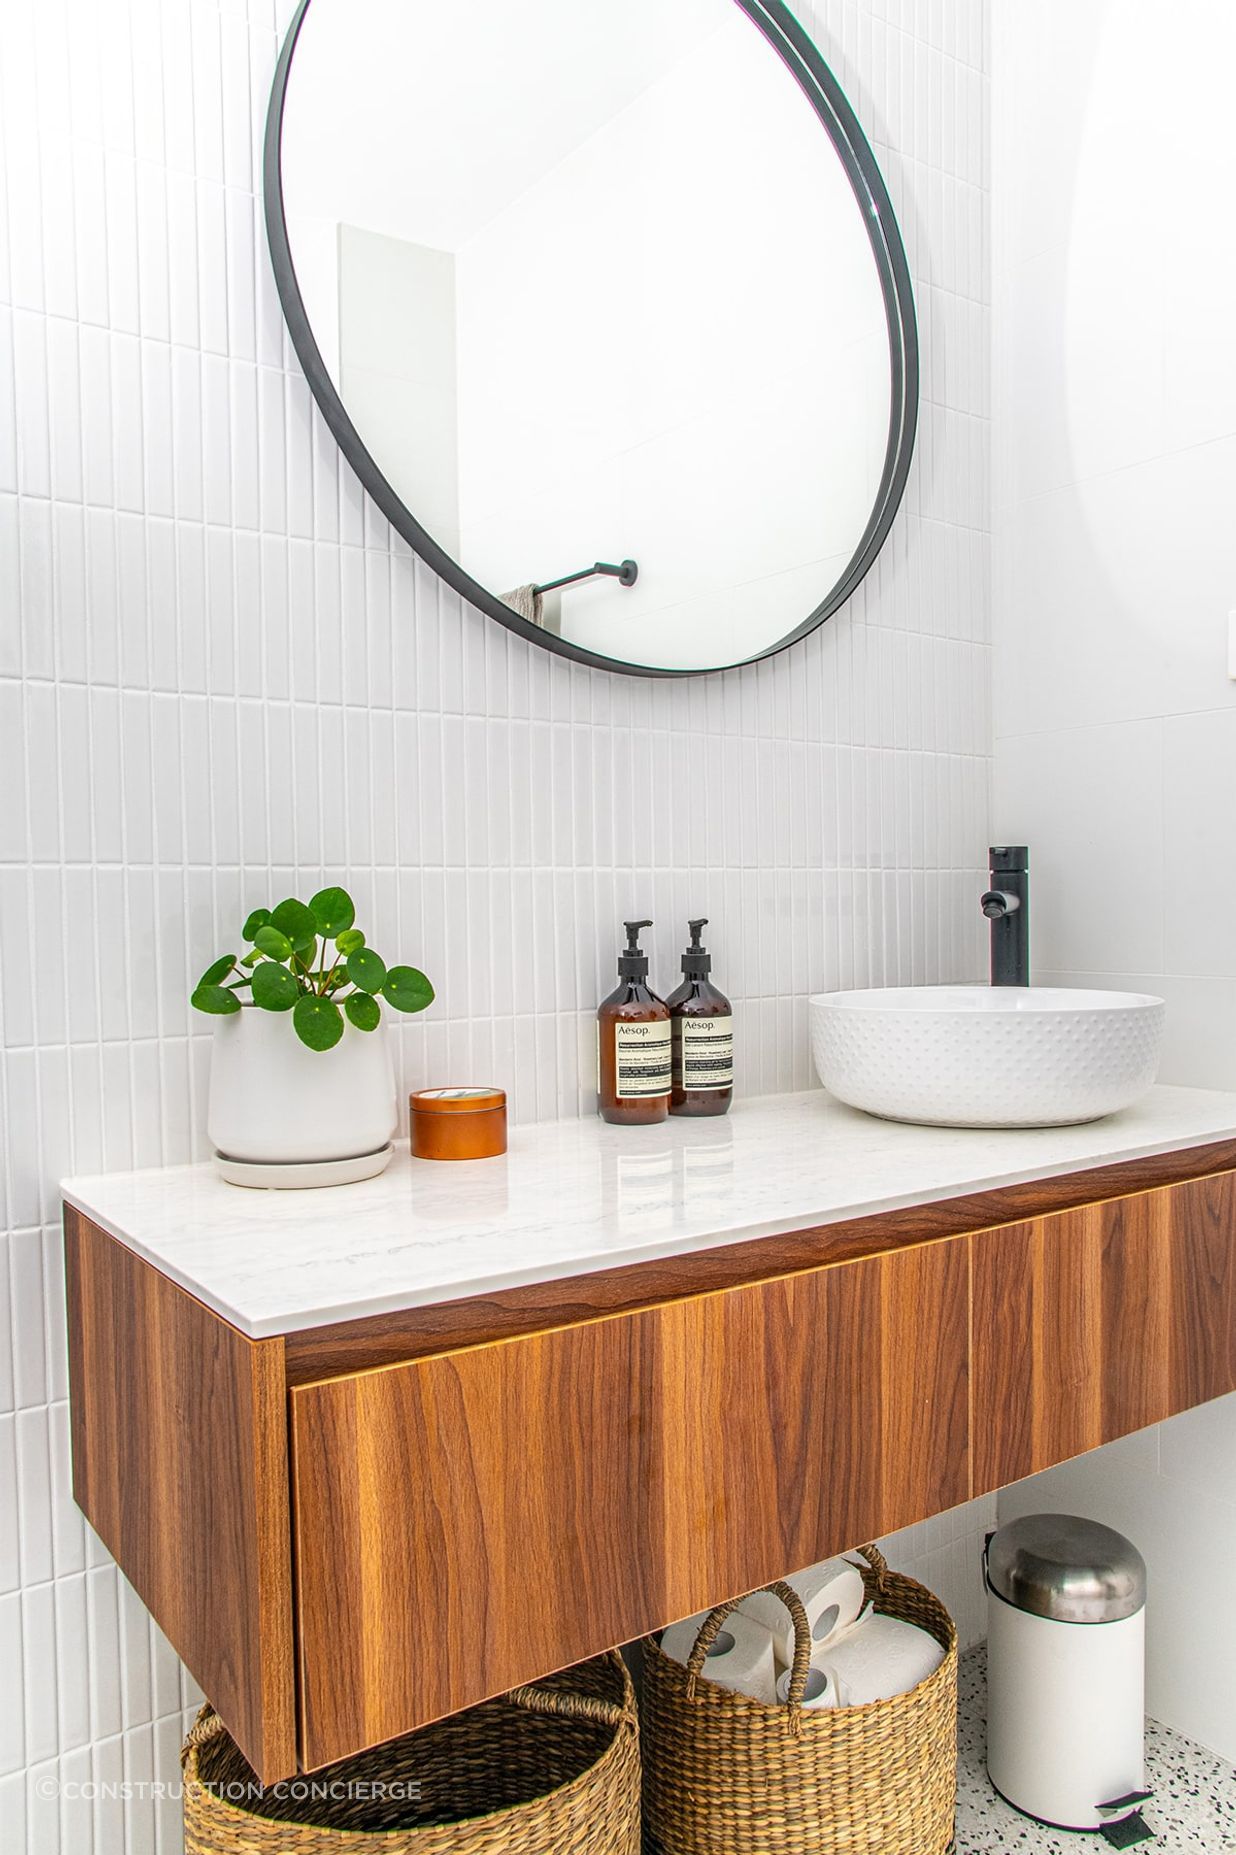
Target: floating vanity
372 1454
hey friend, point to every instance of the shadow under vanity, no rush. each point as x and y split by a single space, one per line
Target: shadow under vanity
374 1454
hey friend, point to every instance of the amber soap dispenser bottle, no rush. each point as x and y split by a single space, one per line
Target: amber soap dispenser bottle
702 1027
633 1043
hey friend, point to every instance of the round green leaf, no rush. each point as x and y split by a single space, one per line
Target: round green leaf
367 969
215 999
407 989
256 920
333 911
274 988
363 1010
317 1021
272 941
350 941
218 971
297 922
252 957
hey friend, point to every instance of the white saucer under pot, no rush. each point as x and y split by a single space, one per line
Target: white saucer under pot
303 1175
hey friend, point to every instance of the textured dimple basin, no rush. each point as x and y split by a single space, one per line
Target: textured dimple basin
977 1056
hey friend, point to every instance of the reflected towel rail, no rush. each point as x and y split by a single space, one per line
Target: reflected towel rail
626 573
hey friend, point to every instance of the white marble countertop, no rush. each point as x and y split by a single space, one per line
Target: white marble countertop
575 1196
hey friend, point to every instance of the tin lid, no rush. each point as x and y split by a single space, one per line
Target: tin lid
1066 1568
456 1101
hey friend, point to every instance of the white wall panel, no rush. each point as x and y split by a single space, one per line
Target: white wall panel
1115 566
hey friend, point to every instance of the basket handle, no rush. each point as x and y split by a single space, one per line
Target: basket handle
710 1629
877 1563
206 1727
564 1706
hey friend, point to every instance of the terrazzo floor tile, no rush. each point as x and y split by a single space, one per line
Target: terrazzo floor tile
1194 1805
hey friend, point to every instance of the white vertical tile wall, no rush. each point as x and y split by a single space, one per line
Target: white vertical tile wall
1115 567
221 679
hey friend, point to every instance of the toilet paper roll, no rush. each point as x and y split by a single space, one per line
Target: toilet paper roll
832 1596
821 1689
881 1658
839 1635
741 1658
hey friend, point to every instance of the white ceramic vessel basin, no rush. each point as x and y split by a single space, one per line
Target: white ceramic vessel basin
978 1056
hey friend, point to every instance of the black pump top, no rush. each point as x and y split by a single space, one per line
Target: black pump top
697 961
633 962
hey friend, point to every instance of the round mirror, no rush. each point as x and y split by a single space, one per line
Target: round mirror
605 305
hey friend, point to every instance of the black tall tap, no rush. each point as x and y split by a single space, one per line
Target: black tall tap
1007 906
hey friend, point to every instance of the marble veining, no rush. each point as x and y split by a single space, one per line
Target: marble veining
1193 1808
575 1196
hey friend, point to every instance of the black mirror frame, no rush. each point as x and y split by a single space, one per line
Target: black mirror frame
802 58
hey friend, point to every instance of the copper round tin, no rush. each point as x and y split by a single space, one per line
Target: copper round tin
459 1123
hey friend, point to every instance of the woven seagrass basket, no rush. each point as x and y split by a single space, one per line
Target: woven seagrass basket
545 1770
726 1775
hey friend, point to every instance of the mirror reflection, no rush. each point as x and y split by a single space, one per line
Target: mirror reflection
601 304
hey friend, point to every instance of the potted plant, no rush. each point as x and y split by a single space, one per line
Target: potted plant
307 986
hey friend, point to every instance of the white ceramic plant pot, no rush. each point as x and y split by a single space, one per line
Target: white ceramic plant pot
273 1101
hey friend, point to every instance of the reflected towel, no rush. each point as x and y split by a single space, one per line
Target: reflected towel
527 601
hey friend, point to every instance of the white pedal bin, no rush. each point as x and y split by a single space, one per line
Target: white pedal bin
1066 1650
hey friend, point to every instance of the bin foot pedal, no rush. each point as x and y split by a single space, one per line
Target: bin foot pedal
1128 1832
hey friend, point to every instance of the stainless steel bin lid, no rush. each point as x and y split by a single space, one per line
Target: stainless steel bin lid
1066 1568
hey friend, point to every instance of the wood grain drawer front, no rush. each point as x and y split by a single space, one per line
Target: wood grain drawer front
1089 1324
475 1519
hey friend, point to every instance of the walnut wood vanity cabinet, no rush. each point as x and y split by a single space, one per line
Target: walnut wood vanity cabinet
351 1530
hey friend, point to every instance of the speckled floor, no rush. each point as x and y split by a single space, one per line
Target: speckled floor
1194 1804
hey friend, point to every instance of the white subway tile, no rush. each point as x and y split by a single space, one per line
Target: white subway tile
29 333
169 1826
12 1716
10 1558
135 1628
237 102
244 467
141 1837
20 129
107 1774
103 1610
72 1686
272 462
30 1375
106 797
212 267
76 1825
240 233
39 1672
